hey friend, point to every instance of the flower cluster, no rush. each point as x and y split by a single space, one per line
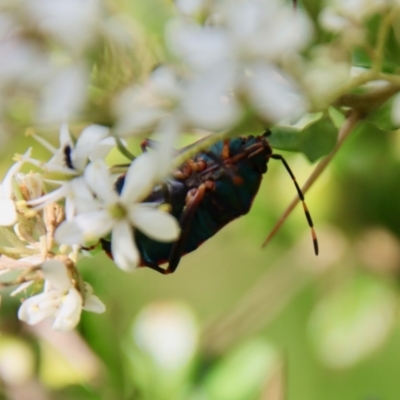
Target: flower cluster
60 299
47 50
232 63
92 208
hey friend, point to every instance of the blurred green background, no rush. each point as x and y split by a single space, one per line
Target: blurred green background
237 322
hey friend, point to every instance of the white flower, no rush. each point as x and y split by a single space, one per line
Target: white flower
201 47
8 212
247 30
64 96
333 21
71 159
60 300
72 23
266 29
168 333
211 100
31 183
140 107
347 17
208 102
24 64
234 61
119 213
322 76
190 7
355 11
92 302
273 94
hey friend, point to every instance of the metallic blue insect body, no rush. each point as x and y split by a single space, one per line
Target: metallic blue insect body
206 193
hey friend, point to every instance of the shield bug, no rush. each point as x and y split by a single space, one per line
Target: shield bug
207 192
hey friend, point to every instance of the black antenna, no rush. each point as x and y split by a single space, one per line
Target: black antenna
301 197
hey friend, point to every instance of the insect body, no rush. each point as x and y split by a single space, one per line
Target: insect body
206 193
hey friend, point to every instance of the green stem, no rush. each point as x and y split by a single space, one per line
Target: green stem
395 79
122 148
202 144
370 101
213 138
382 38
347 87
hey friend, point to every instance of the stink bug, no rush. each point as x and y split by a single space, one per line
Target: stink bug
207 192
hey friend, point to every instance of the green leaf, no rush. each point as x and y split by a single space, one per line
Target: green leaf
391 58
391 54
391 61
285 138
337 117
382 117
360 58
315 140
318 139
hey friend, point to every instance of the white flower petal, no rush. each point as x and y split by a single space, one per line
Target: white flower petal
139 178
56 273
190 7
208 102
87 141
101 150
123 248
71 23
266 29
164 83
200 47
95 224
99 180
332 21
94 304
273 95
24 64
8 214
69 312
156 224
168 129
69 232
136 111
84 228
80 199
7 181
39 307
65 94
51 197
